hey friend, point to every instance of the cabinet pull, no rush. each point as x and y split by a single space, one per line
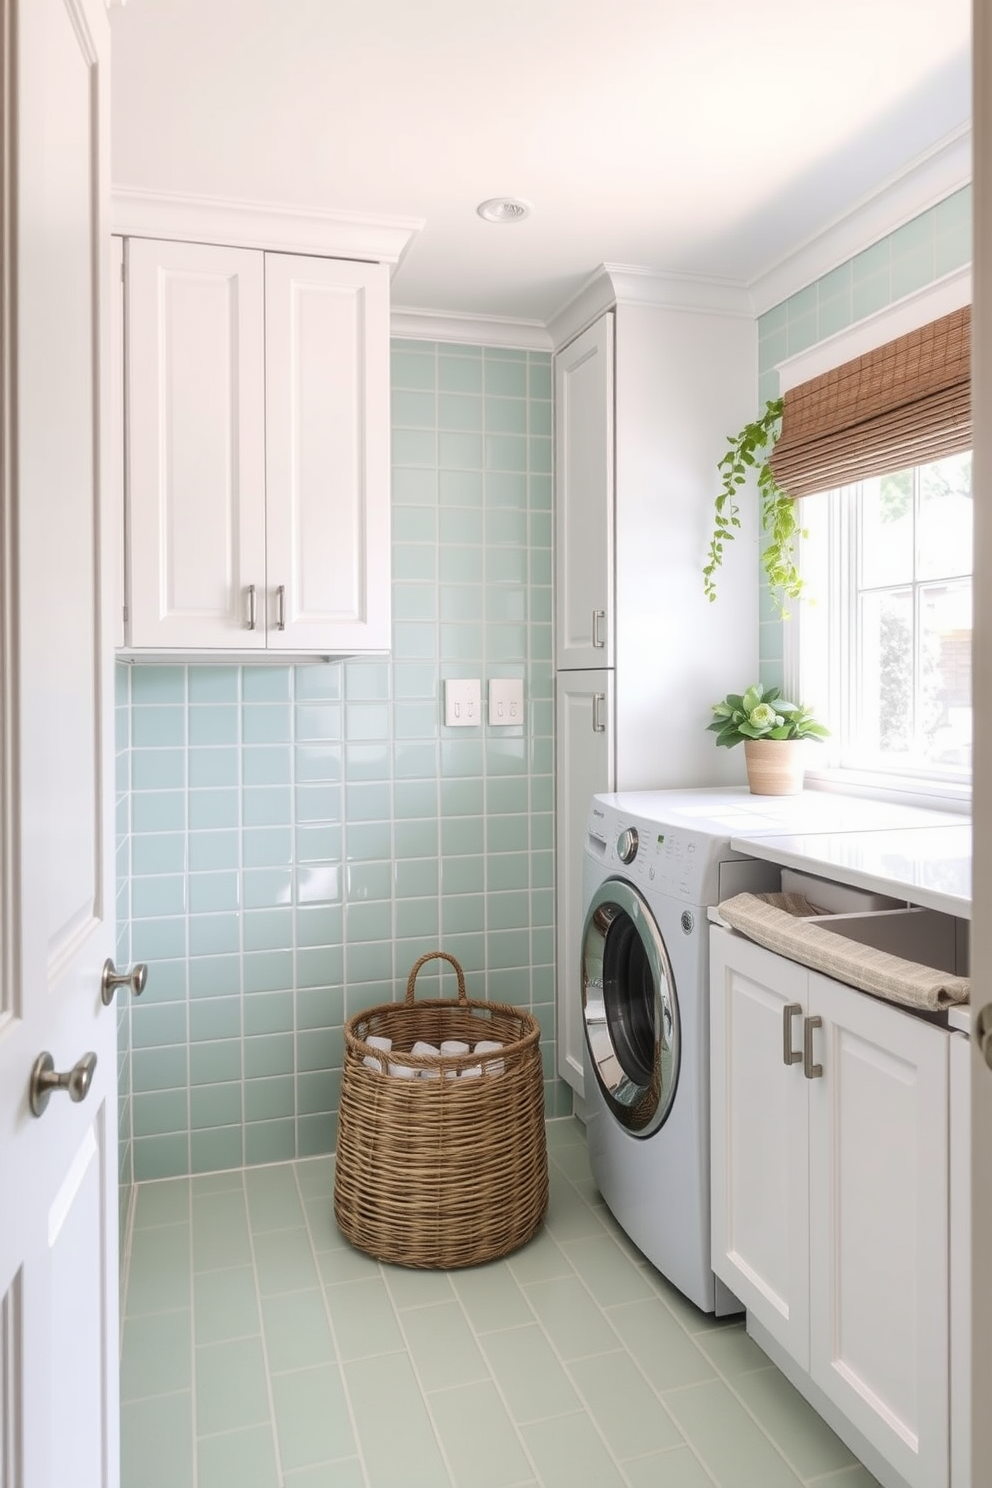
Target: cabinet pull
789 1054
281 607
598 640
810 1070
251 606
598 721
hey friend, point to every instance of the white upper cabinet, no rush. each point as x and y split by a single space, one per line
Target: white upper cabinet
257 417
584 514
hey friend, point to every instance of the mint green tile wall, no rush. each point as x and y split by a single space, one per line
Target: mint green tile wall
298 835
931 245
122 761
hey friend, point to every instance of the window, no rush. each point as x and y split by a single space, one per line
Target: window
885 646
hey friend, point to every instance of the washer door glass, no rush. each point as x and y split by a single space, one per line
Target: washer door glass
630 1009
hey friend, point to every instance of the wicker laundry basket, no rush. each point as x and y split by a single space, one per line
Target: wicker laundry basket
441 1169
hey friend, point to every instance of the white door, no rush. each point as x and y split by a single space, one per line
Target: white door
878 1162
585 753
196 446
327 454
58 1173
584 502
759 1173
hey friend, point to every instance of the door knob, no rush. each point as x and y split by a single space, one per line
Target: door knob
983 1029
45 1078
135 977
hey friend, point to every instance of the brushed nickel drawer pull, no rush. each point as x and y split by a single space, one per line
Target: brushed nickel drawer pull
789 1054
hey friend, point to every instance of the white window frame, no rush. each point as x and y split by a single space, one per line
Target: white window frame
804 663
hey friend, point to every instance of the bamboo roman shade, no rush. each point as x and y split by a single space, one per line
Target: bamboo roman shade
905 403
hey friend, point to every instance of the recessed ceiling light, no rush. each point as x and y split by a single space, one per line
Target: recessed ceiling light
504 209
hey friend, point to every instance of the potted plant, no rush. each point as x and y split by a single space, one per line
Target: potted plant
773 732
750 453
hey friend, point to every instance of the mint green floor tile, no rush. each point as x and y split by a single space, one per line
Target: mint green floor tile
732 1352
572 1160
158 1355
273 1199
363 1319
157 1441
442 1348
211 1183
407 1454
284 1262
852 1477
540 1259
231 1391
342 1263
220 1231
297 1333
225 1305
237 1459
479 1438
312 1422
628 1413
159 1273
570 1318
608 1273
679 1468
565 1132
568 1451
727 1441
318 1211
569 1217
688 1314
345 1474
533 1381
315 1176
491 1297
410 1287
802 1436
666 1354
164 1202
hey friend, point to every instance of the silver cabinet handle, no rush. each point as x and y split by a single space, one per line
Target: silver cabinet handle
44 1079
598 707
251 606
810 1070
134 979
789 1054
598 640
281 607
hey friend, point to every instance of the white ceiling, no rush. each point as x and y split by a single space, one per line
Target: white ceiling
703 137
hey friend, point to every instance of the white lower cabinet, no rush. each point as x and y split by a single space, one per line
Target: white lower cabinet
830 1197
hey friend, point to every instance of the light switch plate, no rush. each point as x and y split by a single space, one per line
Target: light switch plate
506 701
463 703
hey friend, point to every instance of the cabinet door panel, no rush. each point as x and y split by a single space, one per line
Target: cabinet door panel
584 507
327 398
584 766
196 453
759 1106
878 1226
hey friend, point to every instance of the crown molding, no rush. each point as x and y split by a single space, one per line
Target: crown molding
929 180
945 295
615 284
471 330
136 212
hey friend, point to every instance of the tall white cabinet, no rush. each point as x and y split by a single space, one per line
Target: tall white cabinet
257 397
831 1143
651 375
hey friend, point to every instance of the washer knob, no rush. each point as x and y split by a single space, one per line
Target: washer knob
627 845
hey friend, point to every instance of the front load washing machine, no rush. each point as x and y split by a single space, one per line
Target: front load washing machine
654 862
646 888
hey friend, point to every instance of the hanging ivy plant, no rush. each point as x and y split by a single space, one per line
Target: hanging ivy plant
780 524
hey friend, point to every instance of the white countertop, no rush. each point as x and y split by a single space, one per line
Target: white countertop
926 865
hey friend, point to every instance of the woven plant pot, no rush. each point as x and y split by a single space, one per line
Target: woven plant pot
775 767
441 1169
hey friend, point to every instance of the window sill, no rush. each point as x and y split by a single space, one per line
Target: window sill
934 795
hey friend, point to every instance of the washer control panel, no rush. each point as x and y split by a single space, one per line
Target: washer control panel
672 861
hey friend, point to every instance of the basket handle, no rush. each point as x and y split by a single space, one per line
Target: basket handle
433 956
